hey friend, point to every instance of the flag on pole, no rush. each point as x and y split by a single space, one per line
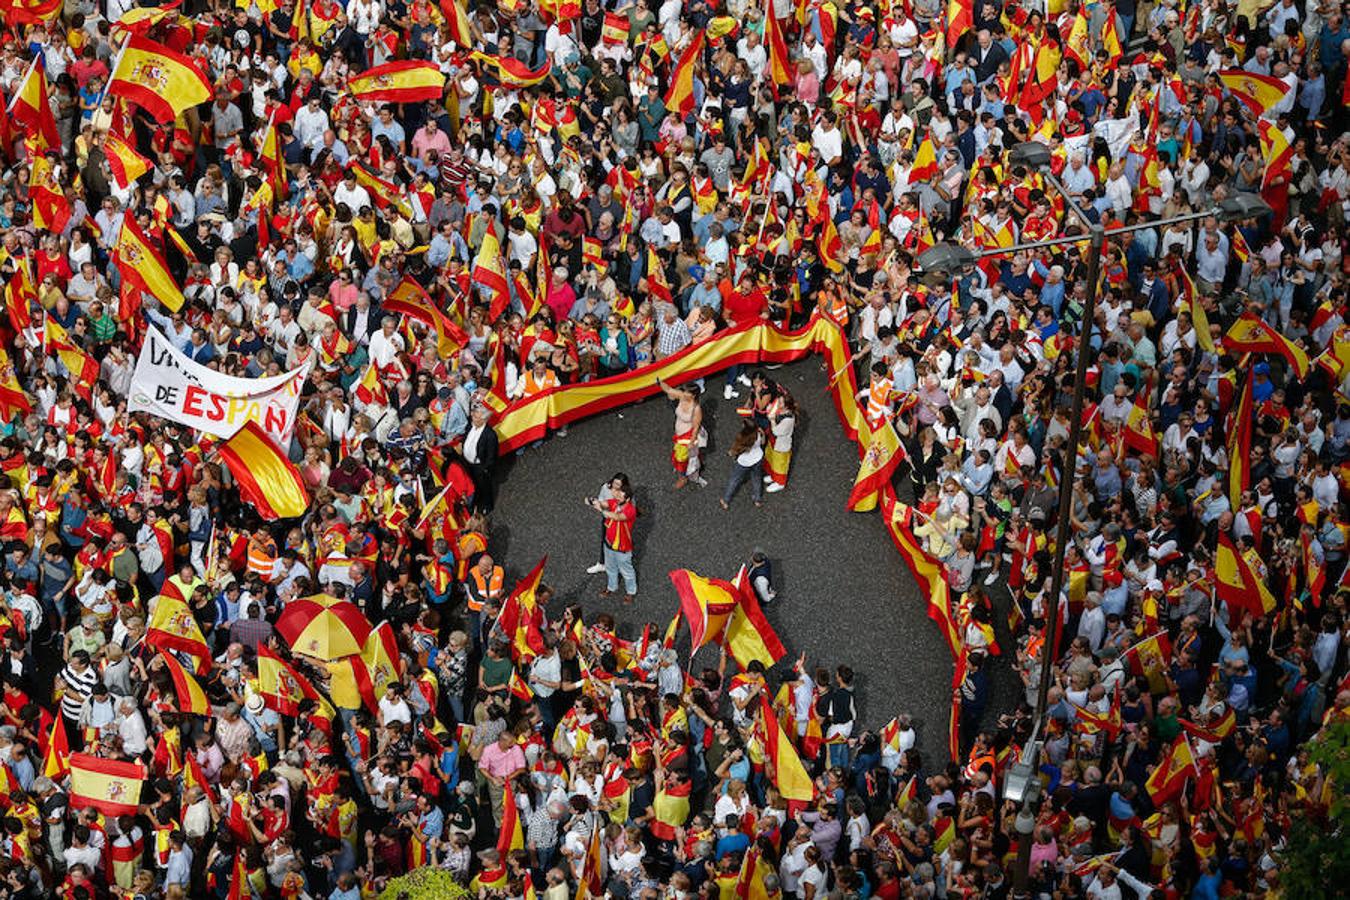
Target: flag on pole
508 72
1240 445
680 96
780 63
410 299
124 162
31 107
749 636
1168 779
266 478
1236 583
56 763
280 685
457 21
489 272
1275 150
162 81
707 604
189 694
1251 334
140 263
173 627
47 199
789 775
960 19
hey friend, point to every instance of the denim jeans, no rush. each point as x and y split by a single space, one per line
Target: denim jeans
739 474
620 564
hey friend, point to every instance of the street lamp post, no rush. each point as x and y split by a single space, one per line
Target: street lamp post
945 258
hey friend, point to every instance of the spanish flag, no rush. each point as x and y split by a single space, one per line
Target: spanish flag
519 689
1236 584
1138 428
511 836
1275 150
780 63
670 809
124 162
280 685
680 97
1076 47
1172 771
1111 42
1214 732
508 72
787 771
109 786
750 882
1240 446
614 31
270 156
370 389
749 636
189 694
829 244
1258 92
162 81
960 19
707 604
410 299
382 192
31 108
518 616
489 273
380 666
925 161
884 452
926 570
56 763
141 264
401 81
32 12
82 367
1251 334
266 478
457 21
173 627
591 883
1199 318
49 207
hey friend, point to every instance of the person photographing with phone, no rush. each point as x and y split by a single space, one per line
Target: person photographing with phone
619 514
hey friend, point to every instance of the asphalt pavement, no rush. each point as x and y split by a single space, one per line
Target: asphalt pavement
844 593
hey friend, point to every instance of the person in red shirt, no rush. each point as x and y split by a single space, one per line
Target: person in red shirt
743 305
619 514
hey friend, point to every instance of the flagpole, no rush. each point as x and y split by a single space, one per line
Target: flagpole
9 108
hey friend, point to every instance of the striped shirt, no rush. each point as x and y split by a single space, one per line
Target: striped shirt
79 685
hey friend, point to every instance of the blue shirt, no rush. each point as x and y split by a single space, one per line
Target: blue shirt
737 842
393 131
431 824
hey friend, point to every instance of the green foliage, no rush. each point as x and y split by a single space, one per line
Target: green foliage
1317 855
425 883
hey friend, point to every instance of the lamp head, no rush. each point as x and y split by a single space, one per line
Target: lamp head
1243 205
1032 154
938 262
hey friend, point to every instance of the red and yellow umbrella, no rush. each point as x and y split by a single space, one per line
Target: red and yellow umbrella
324 627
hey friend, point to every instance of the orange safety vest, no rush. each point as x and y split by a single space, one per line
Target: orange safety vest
483 588
260 561
534 386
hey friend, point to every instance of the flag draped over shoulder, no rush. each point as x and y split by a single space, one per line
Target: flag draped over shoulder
110 786
400 81
266 478
707 604
162 81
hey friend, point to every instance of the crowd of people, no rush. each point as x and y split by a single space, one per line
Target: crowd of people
593 188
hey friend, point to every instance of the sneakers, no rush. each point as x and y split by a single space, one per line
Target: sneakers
562 432
991 577
774 488
595 569
744 379
730 393
768 479
699 480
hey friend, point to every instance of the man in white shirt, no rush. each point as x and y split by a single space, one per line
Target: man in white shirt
827 140
351 193
310 124
131 727
386 344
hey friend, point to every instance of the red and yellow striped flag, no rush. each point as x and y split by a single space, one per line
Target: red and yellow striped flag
707 603
507 71
49 207
266 478
780 64
457 21
489 272
280 685
31 108
410 299
56 764
110 786
680 96
173 627
124 162
162 81
1258 92
884 452
140 263
749 636
511 836
1275 150
401 81
189 694
789 775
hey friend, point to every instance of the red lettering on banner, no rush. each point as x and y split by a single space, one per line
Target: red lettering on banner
192 398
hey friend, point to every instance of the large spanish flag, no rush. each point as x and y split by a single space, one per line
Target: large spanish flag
1177 765
507 71
49 207
926 570
140 263
124 162
266 478
191 698
789 775
707 603
30 12
511 836
960 19
401 81
680 96
109 786
1251 334
410 299
161 80
380 666
884 452
173 627
31 107
749 636
1258 92
457 21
